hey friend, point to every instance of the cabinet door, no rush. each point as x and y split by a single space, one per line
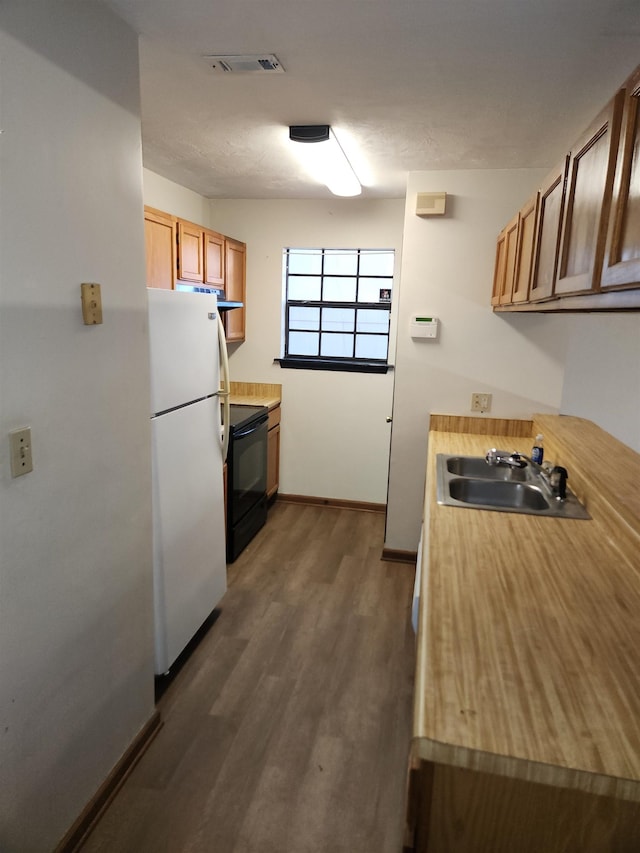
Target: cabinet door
213 258
511 248
547 244
273 460
160 248
591 170
235 287
498 272
190 252
622 254
524 253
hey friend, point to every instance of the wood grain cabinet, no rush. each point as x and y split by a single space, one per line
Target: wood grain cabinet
514 257
214 258
506 263
273 453
622 253
547 234
190 252
201 254
235 288
589 188
578 240
499 268
160 248
524 250
178 250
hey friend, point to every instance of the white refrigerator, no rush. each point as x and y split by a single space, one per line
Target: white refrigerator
189 566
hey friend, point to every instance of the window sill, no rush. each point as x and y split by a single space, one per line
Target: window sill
347 365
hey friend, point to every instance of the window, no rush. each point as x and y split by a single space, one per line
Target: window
337 308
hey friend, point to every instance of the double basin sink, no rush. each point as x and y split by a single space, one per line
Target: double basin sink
469 481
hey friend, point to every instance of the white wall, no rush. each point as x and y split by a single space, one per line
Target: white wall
447 272
334 436
172 198
602 373
76 633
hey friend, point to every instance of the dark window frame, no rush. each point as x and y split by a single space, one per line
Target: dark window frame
318 361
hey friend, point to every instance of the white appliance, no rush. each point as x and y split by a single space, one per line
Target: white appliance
189 565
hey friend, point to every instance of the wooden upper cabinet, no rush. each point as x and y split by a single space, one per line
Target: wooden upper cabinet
621 267
235 288
510 252
190 252
160 248
214 258
589 188
547 238
498 273
524 250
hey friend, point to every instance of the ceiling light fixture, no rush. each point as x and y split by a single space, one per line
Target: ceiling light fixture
325 159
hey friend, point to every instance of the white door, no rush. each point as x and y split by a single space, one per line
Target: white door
183 343
190 573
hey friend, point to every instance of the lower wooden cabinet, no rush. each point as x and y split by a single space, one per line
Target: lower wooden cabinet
273 453
457 810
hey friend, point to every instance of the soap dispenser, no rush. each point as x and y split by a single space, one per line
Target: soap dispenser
537 451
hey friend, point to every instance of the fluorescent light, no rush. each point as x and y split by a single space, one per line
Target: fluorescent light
323 157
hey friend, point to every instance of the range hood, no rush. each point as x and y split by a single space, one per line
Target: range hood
224 304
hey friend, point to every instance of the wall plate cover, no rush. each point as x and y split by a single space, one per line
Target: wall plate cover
481 402
21 455
91 304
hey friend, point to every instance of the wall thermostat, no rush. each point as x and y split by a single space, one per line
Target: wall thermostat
423 326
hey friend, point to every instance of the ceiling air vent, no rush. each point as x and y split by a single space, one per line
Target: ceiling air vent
249 64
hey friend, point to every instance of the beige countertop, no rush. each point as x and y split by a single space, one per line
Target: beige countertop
255 394
528 662
253 400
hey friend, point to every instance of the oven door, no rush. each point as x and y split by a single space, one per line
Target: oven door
248 468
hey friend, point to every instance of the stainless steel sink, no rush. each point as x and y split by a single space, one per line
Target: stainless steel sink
498 494
476 466
468 481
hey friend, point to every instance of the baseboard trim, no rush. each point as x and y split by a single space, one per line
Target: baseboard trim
394 556
90 815
337 503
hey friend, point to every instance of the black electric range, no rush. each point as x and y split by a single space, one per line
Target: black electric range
246 476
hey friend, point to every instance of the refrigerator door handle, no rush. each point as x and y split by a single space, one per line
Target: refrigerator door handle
224 392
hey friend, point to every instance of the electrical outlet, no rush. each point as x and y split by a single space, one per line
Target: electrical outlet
481 402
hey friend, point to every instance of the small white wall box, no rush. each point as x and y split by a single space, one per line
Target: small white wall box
431 204
423 326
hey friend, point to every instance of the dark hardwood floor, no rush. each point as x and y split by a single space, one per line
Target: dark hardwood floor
287 729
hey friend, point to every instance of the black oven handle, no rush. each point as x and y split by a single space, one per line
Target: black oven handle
253 428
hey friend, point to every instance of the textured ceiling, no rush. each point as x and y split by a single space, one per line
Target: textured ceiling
407 85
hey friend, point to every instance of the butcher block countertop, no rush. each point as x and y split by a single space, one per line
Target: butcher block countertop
528 649
255 394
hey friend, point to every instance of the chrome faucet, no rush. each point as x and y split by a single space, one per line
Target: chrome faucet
506 457
553 476
556 478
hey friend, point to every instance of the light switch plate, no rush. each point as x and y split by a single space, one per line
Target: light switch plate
21 455
91 304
